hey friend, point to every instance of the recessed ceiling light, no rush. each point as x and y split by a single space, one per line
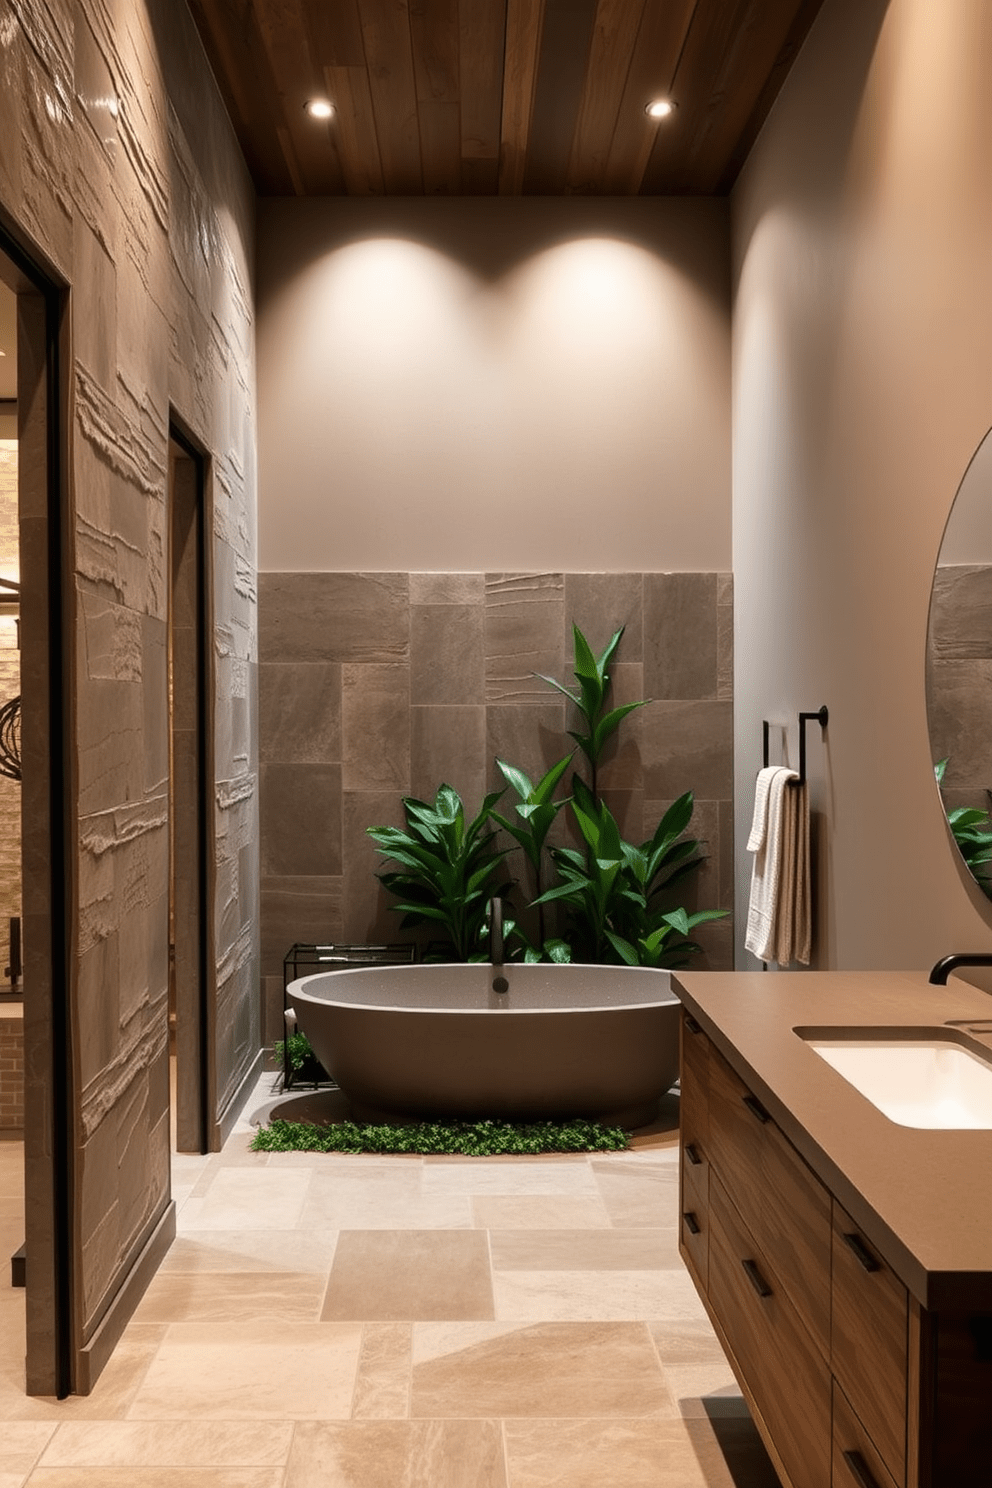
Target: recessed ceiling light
319 108
659 108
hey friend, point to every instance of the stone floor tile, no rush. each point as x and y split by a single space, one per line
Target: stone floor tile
638 1195
382 1386
705 1389
223 1298
539 1212
387 1454
408 1275
545 1369
623 1454
686 1341
392 1201
230 1251
111 1396
248 1198
156 1477
169 1444
581 1250
21 1445
528 1176
251 1371
591 1296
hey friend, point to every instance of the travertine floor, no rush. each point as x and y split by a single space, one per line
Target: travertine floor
399 1323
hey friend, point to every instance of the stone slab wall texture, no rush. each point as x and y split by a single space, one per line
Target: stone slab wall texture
118 164
374 686
959 681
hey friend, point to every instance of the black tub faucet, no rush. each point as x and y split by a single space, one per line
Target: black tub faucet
496 931
944 967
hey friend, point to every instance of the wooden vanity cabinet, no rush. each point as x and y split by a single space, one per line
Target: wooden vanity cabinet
851 1382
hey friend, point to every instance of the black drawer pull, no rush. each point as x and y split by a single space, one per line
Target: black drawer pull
859 1470
691 1024
756 1279
691 1222
692 1153
863 1255
756 1108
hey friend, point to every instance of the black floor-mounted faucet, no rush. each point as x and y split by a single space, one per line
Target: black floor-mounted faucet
943 968
500 984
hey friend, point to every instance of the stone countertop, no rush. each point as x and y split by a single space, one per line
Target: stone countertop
923 1197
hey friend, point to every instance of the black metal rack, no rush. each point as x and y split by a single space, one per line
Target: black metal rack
305 958
822 716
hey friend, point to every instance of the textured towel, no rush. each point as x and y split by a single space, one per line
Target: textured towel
778 920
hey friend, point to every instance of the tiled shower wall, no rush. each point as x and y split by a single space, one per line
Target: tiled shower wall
373 686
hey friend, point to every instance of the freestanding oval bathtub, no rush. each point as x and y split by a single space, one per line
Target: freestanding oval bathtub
430 1041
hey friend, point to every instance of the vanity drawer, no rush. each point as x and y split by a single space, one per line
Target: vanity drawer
784 1205
869 1339
856 1462
694 1220
779 1362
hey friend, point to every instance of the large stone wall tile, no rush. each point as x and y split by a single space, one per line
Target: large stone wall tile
273 1021
447 588
301 910
98 1024
689 746
365 903
95 331
448 746
446 653
375 727
99 1217
112 639
300 712
524 635
109 744
680 635
351 617
300 819
725 645
599 604
717 941
960 718
727 881
620 767
961 613
532 737
155 698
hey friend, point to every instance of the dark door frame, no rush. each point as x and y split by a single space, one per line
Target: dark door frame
51 1097
201 1038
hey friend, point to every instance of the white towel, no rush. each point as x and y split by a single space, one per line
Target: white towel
778 919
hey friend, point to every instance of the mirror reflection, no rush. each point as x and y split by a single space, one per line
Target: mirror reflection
959 667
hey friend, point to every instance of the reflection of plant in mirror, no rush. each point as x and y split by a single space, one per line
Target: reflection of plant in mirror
971 829
446 867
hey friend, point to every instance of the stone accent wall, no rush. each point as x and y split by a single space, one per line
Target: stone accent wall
378 685
959 681
11 1071
118 162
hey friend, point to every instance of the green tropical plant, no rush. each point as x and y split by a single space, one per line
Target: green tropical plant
295 1050
615 892
971 829
537 810
590 699
447 867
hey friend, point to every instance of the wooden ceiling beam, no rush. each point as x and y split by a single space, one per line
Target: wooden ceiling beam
660 39
434 30
614 38
482 28
389 56
308 144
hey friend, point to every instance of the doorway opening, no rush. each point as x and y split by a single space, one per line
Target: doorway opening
36 860
190 1027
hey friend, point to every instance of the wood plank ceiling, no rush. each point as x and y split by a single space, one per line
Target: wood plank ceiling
509 97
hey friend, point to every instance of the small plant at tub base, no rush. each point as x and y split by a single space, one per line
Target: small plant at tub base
465 1138
446 867
294 1049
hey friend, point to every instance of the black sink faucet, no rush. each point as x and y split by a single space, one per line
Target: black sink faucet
943 968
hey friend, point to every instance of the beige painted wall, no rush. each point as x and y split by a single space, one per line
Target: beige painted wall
485 385
862 360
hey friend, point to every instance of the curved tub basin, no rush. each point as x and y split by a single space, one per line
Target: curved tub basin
421 1042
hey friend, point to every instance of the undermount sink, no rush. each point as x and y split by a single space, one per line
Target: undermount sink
931 1077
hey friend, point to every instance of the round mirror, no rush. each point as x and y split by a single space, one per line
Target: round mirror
959 667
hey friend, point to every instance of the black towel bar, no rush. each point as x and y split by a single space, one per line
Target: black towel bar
822 716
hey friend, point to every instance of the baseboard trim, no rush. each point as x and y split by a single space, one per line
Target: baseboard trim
94 1354
228 1118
